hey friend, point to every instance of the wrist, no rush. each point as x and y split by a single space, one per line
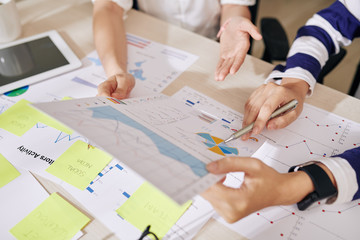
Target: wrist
298 85
294 187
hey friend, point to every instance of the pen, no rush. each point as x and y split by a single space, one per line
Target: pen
287 107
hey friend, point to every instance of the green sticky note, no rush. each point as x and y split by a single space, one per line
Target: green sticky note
66 98
54 219
80 164
149 206
7 171
20 117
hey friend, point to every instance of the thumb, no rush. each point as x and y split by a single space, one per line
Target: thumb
233 164
252 30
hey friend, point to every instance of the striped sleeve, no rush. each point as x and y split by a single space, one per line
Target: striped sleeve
321 37
352 156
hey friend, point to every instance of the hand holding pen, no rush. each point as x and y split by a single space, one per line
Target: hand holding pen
282 110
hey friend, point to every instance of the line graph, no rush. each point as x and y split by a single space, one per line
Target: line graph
153 137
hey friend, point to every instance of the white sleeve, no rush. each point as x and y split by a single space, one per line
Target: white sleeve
345 177
125 4
240 2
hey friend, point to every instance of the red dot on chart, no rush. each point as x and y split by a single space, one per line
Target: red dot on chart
258 213
354 144
359 203
336 133
319 203
311 153
343 120
288 146
306 117
323 210
317 124
282 234
293 213
304 140
327 125
332 140
339 212
271 222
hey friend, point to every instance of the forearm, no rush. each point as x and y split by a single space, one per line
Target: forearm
234 10
109 36
297 185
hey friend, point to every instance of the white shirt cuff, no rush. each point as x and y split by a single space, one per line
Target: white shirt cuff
293 73
240 2
345 177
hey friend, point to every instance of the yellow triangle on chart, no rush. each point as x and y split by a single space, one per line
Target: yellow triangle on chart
217 140
217 150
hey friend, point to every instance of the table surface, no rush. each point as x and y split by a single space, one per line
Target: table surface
73 20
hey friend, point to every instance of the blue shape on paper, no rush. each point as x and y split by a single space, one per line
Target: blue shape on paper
138 74
119 167
95 60
126 194
207 137
228 150
138 64
90 189
165 147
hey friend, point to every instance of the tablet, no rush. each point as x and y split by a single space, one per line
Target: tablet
33 59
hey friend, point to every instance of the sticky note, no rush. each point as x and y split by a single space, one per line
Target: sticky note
149 206
7 171
20 117
54 219
79 164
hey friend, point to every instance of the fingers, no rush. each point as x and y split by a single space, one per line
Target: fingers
265 100
125 83
235 164
118 86
105 88
254 32
223 69
268 107
282 121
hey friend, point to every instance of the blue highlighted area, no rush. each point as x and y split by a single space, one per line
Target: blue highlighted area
164 146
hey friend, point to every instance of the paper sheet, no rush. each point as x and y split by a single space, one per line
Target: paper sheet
161 139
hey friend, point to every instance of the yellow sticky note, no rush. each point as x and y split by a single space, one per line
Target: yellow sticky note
80 164
20 117
54 219
7 171
149 206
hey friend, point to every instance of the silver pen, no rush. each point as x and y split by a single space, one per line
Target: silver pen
287 107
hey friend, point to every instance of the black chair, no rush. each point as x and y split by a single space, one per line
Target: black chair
253 11
277 46
356 81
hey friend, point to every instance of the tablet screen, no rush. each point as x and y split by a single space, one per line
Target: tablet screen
28 59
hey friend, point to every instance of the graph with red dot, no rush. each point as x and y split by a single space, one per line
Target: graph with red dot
315 135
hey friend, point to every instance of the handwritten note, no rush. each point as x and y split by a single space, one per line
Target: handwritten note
54 218
80 164
20 117
149 206
7 171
